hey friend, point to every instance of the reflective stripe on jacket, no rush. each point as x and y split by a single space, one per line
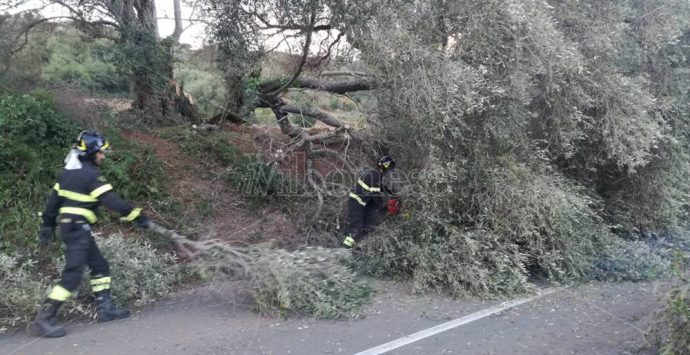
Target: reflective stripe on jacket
367 190
77 195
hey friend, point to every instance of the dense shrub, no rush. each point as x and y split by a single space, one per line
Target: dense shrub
525 222
87 63
141 274
524 153
35 140
623 260
133 169
21 62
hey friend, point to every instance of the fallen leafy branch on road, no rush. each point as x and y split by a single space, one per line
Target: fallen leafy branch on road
314 281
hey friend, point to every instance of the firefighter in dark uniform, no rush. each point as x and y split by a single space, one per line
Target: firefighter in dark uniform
365 200
72 207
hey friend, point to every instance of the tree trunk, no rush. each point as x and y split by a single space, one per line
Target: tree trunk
151 59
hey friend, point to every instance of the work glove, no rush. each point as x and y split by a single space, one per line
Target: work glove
142 222
46 236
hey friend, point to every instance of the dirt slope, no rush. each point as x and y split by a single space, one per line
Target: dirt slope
231 217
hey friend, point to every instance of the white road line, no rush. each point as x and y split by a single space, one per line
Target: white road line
408 339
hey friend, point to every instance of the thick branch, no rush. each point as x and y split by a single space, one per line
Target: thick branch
322 116
297 27
337 87
177 11
357 74
226 115
283 120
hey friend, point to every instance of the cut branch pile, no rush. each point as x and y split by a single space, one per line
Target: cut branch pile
314 281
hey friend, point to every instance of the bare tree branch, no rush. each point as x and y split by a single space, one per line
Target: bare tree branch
330 48
326 152
25 34
79 18
305 55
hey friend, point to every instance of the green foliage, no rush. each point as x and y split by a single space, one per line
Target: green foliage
140 275
148 61
524 222
204 82
634 261
302 120
669 332
335 103
87 63
21 62
264 116
655 197
349 106
676 315
246 173
529 130
21 290
35 141
133 170
527 137
309 281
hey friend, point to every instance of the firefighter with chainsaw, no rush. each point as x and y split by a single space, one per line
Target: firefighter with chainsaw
366 200
72 207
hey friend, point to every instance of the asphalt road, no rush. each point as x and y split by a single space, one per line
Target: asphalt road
590 319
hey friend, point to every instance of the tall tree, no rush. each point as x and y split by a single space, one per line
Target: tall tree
133 26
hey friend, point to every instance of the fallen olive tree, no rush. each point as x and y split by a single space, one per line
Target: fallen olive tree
311 281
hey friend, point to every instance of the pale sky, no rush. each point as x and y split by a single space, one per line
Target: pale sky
194 35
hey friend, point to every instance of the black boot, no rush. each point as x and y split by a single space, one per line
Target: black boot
45 324
107 310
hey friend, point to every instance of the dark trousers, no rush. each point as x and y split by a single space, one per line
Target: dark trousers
361 219
81 251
